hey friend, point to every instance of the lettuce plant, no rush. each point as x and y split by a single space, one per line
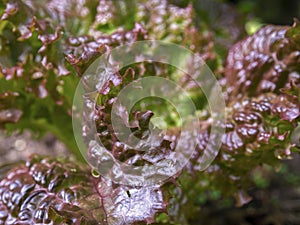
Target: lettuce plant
46 48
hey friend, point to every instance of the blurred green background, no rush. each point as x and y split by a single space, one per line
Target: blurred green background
279 12
270 11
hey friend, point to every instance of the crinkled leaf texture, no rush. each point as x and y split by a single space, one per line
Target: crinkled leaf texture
264 62
259 125
43 46
45 190
261 118
261 83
